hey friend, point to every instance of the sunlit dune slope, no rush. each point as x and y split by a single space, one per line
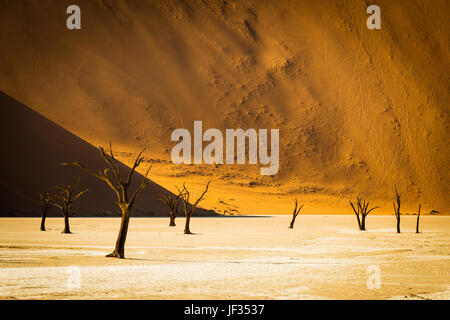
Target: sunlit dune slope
32 149
358 110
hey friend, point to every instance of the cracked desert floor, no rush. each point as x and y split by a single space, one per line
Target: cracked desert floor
323 257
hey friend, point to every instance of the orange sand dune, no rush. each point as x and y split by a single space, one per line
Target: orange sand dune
358 110
32 149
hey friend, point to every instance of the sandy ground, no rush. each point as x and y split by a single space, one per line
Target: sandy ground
324 257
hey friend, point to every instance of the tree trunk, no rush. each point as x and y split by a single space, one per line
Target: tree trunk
417 225
172 220
119 251
186 226
66 221
398 225
359 221
363 223
291 226
44 215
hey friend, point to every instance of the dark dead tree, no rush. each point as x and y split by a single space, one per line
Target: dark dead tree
396 204
357 211
361 209
172 202
189 211
64 199
45 205
295 214
418 218
121 187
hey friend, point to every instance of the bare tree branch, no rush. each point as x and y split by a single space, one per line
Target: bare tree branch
64 201
203 194
295 213
396 205
185 195
121 189
418 218
144 183
361 210
136 164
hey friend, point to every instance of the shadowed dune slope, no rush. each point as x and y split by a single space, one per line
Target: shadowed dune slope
358 110
32 148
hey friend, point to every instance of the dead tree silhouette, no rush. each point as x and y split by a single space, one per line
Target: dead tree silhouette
295 214
64 200
172 202
418 218
189 211
45 205
362 208
121 188
397 208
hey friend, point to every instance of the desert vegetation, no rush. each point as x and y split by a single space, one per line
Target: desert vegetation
190 209
120 186
396 205
172 202
418 218
115 179
63 199
295 214
361 210
44 198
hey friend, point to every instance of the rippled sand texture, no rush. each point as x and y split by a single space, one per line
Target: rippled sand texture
358 110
